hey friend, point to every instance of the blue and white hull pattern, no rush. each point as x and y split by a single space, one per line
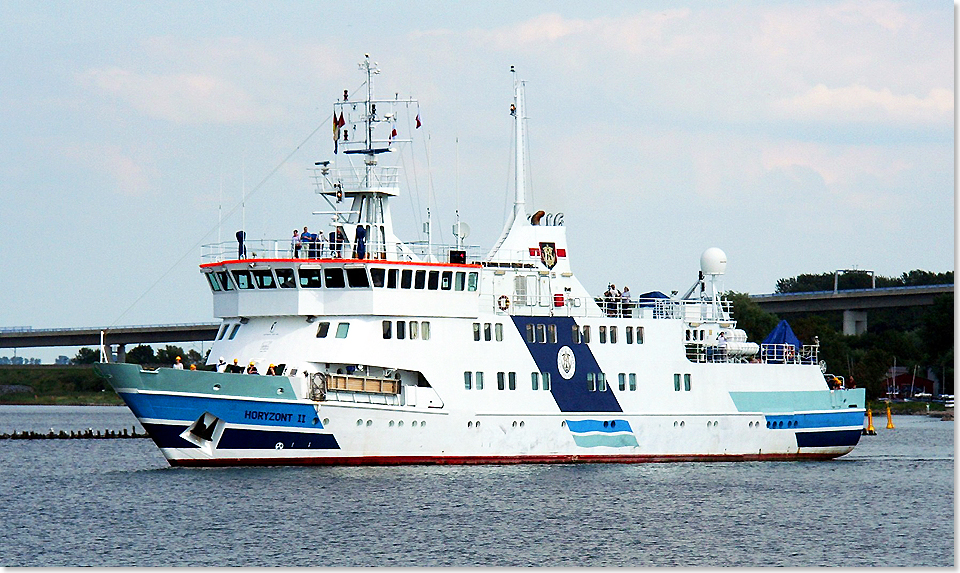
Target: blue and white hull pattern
388 352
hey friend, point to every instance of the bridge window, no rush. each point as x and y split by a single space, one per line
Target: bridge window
214 285
433 283
387 329
264 279
333 276
357 278
342 329
322 329
222 331
613 335
310 278
285 278
446 280
472 282
225 281
629 334
392 278
406 278
233 332
460 280
243 279
376 276
420 279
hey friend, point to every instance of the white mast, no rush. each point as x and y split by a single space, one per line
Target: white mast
518 216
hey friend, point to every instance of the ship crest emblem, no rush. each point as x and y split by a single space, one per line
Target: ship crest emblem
566 362
548 254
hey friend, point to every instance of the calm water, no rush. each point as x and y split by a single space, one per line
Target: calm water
118 503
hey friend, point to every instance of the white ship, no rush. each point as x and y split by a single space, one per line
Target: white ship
387 352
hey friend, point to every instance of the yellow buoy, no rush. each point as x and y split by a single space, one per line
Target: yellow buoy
889 418
870 430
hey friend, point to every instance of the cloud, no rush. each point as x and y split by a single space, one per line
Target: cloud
183 98
133 176
857 103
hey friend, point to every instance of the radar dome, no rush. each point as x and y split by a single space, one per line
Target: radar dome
713 261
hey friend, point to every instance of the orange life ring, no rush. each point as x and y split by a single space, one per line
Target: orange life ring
503 302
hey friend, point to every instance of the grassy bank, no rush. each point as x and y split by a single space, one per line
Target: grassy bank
54 385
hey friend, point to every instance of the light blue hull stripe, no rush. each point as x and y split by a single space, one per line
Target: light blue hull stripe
790 402
609 433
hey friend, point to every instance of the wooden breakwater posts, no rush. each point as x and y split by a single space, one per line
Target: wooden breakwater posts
87 434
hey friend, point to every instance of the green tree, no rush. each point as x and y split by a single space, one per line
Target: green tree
141 354
168 354
194 357
756 322
86 356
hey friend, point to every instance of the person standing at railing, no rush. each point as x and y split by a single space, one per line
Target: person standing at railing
295 243
721 355
625 302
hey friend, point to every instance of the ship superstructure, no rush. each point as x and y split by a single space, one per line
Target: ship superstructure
392 352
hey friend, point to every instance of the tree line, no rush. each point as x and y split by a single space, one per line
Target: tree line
857 279
144 355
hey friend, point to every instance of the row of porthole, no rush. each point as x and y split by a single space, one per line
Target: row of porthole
216 388
790 424
399 424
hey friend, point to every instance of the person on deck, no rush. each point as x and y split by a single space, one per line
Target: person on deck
222 365
177 364
295 244
252 369
625 302
721 348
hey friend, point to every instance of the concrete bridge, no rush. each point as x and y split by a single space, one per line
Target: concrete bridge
854 303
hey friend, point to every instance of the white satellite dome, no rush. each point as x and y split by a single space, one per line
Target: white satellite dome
713 261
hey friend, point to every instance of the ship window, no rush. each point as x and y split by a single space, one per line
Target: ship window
479 380
575 334
434 281
603 334
243 279
632 380
467 380
222 331
591 382
629 333
356 278
676 382
460 280
225 281
214 285
541 334
425 330
285 278
512 380
392 278
377 276
406 278
333 277
414 329
586 334
486 331
530 337
613 335
546 380
498 331
387 329
420 279
686 382
639 335
446 279
622 378
310 278
322 329
501 381
233 332
472 282
535 380
264 279
342 329
602 382
552 333
476 331
401 330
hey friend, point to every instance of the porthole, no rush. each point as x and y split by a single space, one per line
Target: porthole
470 424
359 422
613 423
563 424
477 424
400 423
391 423
279 390
675 423
369 422
521 424
681 424
781 424
326 421
514 423
316 421
216 387
423 423
606 424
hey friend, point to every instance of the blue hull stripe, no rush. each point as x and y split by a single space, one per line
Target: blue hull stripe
828 439
167 436
571 395
189 408
817 420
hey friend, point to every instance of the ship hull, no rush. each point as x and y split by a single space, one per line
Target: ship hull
266 420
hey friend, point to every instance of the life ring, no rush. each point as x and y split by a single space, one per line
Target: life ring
503 302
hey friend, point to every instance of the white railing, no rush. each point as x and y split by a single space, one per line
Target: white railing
283 249
788 354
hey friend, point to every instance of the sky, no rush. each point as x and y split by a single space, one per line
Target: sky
799 137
